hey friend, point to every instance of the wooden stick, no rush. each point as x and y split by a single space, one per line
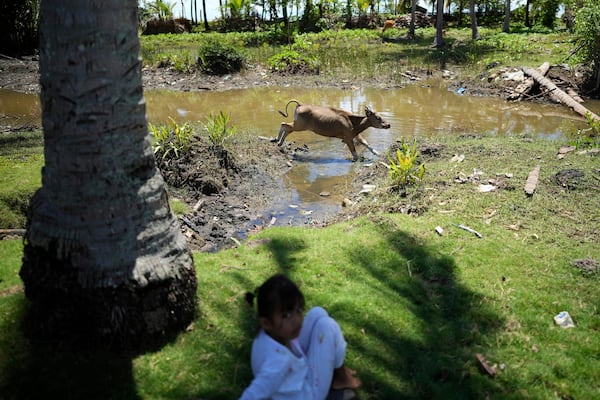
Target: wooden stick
532 179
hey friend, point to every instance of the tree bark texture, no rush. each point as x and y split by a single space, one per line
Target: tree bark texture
474 29
439 25
103 256
558 94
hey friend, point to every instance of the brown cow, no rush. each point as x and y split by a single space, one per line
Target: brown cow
389 23
331 122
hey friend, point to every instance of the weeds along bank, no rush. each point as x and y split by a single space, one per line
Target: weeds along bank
361 57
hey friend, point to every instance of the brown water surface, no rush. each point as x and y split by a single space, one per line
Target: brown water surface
412 111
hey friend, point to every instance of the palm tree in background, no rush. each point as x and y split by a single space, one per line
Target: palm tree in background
104 258
474 29
439 25
506 24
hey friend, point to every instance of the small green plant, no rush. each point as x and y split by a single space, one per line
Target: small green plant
216 58
589 137
404 170
219 128
182 62
172 139
292 62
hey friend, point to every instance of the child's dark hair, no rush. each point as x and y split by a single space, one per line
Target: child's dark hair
276 293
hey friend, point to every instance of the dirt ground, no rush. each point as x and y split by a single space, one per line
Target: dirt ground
228 190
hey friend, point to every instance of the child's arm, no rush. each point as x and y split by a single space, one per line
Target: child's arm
268 380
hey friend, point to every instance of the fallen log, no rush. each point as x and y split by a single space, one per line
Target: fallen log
11 232
525 87
532 180
571 92
558 94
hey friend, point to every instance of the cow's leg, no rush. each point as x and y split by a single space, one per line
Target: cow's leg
362 140
350 143
285 130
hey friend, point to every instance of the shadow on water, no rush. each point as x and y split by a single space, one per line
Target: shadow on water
438 362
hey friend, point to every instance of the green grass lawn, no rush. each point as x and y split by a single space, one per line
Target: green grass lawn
416 307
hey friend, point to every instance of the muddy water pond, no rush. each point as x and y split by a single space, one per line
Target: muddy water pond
315 186
412 111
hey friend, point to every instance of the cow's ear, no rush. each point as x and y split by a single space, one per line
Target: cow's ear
368 110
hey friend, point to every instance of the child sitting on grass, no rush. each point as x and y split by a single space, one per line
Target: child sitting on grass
296 357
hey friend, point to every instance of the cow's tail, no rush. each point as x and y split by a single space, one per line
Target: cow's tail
286 107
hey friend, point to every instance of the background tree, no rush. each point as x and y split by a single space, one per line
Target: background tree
506 24
411 26
474 28
587 33
549 8
104 259
439 25
160 9
206 26
18 26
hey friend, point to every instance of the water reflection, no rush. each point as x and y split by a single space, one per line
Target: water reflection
19 109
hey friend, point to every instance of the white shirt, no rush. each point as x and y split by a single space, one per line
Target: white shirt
279 373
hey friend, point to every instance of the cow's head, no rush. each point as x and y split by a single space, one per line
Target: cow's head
375 120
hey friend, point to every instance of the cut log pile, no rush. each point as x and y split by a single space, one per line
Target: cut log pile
537 80
422 20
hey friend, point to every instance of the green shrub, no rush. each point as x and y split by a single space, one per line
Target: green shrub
404 170
219 128
292 62
589 137
172 139
587 34
216 58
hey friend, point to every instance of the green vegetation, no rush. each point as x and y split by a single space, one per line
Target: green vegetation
171 140
588 137
21 161
360 53
219 128
292 62
404 168
416 307
217 58
587 33
19 26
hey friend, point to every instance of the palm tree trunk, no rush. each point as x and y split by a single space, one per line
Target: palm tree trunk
506 24
411 27
104 257
439 26
206 26
474 29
